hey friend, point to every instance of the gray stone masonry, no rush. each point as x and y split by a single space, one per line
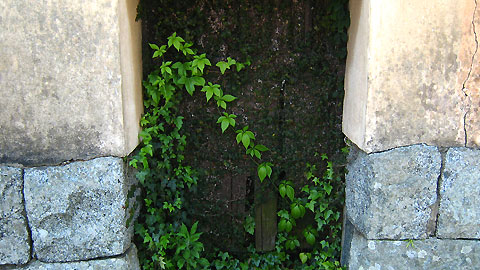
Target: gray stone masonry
428 254
77 211
128 261
460 195
14 239
390 195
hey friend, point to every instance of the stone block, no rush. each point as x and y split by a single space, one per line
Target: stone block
412 74
128 261
459 214
77 211
429 254
14 238
390 195
70 80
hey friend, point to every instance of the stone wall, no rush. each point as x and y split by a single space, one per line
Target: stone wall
411 110
68 213
70 82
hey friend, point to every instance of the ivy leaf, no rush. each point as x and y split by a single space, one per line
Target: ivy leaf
245 140
210 90
144 122
222 104
158 51
231 61
224 125
178 122
303 257
328 188
261 148
181 68
257 154
175 41
154 46
164 68
156 54
328 214
264 170
239 137
311 205
249 225
190 83
201 61
231 120
239 66
186 49
223 66
245 136
290 192
282 190
310 238
167 91
228 98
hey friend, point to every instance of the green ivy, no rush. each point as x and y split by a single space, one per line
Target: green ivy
175 194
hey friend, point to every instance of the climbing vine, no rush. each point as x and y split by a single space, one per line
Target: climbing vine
165 180
222 109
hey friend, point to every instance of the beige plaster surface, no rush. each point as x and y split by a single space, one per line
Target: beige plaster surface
407 65
70 80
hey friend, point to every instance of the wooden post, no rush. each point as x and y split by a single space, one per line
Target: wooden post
265 217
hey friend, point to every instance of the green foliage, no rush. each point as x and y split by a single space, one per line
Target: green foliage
168 244
189 248
317 246
286 91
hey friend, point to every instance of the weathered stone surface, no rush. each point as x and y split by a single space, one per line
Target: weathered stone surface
459 215
409 74
389 195
77 211
129 261
70 80
471 73
14 239
429 254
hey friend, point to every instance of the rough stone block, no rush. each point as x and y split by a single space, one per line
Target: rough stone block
389 195
77 211
429 254
412 74
70 80
14 239
459 214
129 261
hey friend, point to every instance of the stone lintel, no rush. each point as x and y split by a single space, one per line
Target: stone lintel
70 80
410 78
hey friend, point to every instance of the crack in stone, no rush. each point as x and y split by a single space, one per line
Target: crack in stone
474 53
436 206
27 222
464 90
101 258
465 127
